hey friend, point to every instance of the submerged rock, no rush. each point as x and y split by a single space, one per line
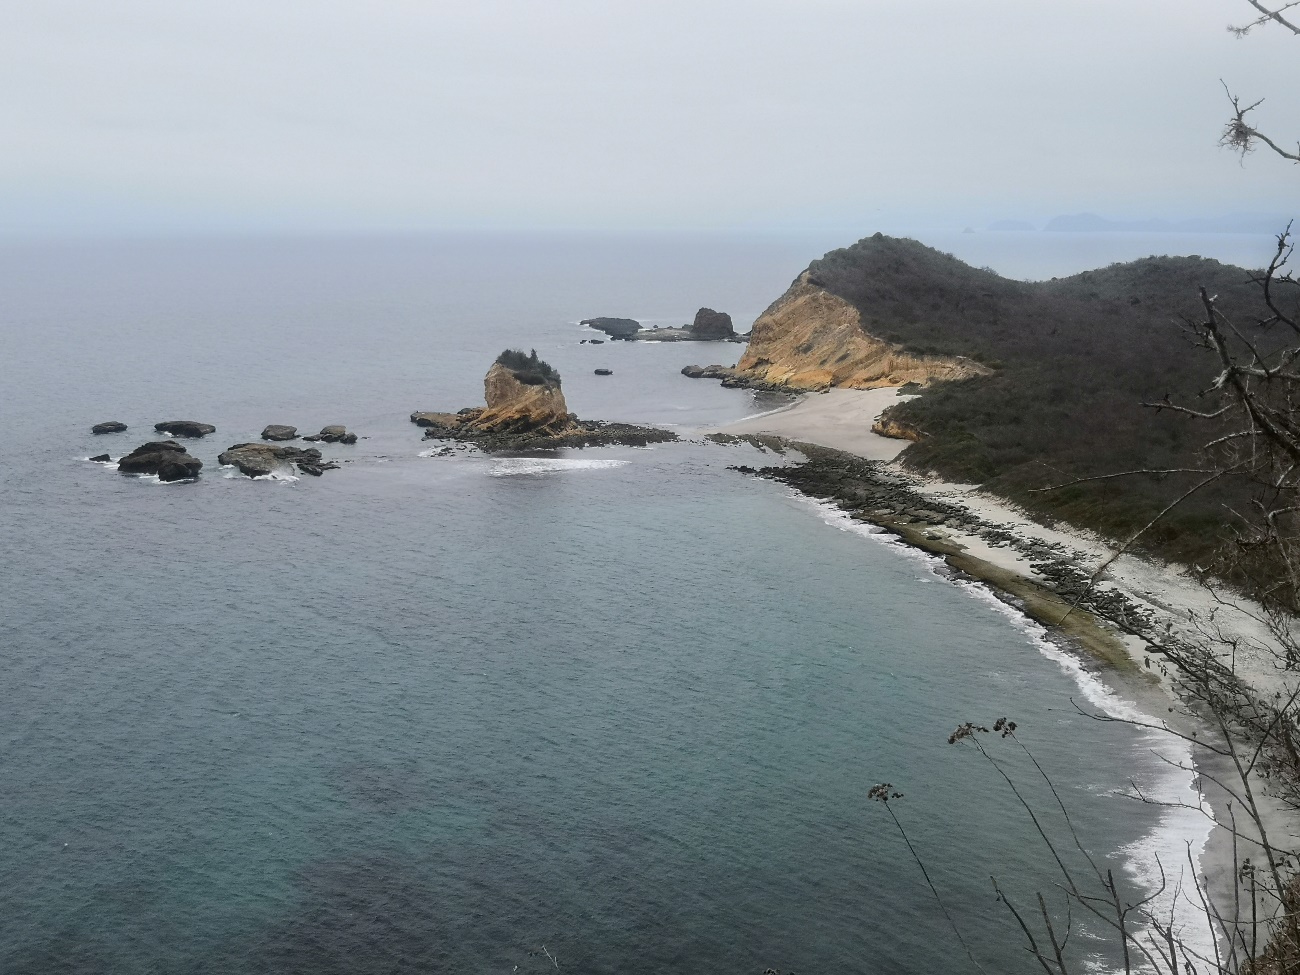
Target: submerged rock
185 428
102 459
278 431
166 458
108 426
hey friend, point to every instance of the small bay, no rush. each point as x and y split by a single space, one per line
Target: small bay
619 708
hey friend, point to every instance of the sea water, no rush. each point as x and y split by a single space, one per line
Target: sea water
610 710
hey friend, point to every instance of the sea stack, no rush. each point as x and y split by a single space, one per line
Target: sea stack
711 326
525 409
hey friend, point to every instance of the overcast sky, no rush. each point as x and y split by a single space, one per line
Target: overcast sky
304 115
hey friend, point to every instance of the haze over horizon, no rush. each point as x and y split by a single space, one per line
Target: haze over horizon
764 116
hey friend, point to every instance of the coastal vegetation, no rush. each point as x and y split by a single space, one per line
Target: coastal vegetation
528 368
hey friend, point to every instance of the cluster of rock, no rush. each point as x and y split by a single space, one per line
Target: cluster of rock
169 461
261 459
166 459
708 326
334 433
525 409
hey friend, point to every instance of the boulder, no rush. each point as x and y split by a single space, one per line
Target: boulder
102 459
278 431
109 426
185 428
710 325
693 372
166 458
260 459
615 328
604 372
335 433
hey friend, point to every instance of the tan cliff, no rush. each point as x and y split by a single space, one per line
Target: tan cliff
811 339
515 404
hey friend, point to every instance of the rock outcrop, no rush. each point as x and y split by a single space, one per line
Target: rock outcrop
279 431
102 459
887 426
615 328
812 339
109 426
166 458
185 428
524 409
711 326
261 459
335 433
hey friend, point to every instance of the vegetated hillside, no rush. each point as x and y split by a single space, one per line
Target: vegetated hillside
1074 358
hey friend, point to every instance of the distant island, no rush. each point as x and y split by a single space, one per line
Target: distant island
707 326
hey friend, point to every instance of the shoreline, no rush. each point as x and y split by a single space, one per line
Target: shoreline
1043 573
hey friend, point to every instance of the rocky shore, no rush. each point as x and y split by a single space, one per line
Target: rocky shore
1056 591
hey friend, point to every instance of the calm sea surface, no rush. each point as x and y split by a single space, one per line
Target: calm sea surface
620 708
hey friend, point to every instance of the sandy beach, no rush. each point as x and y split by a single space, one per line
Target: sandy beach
838 418
1177 603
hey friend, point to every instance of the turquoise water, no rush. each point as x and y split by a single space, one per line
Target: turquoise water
620 707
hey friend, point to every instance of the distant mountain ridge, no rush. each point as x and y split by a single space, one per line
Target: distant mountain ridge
1230 224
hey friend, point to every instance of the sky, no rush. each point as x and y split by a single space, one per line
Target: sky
142 116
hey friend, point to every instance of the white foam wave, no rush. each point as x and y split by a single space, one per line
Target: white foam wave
511 466
1161 855
231 472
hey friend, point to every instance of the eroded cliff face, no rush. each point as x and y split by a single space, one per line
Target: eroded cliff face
810 339
512 404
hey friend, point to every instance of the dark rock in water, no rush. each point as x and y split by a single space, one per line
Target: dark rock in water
316 470
260 459
604 372
110 426
102 459
710 324
335 433
597 341
185 428
179 467
278 431
615 328
713 371
165 458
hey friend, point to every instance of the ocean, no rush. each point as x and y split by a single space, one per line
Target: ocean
610 710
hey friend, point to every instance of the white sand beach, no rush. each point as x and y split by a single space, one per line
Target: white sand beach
838 418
